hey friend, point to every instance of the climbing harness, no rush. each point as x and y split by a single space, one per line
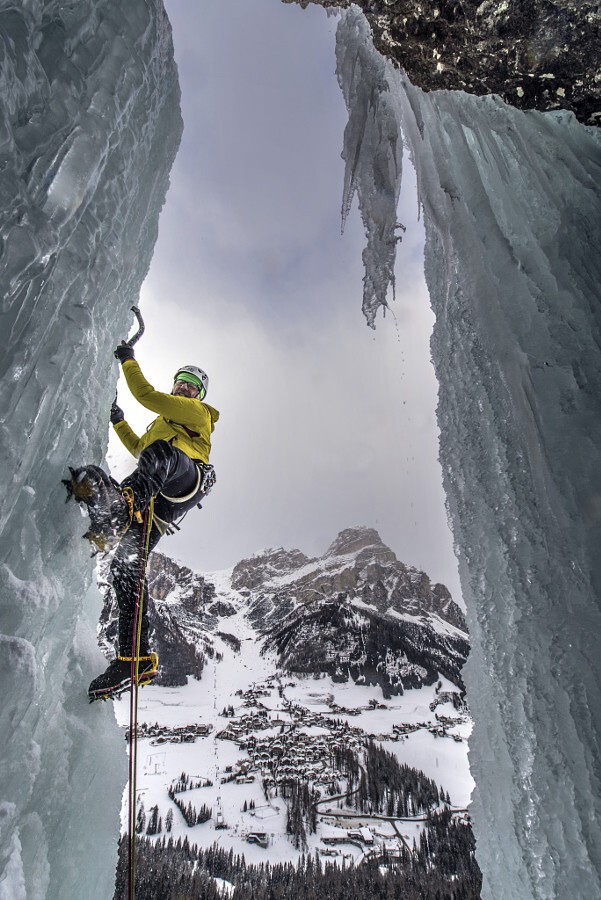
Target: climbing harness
205 480
135 659
188 496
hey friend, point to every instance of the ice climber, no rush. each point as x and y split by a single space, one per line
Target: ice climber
173 468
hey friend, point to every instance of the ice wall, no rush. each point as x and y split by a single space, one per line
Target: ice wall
89 126
511 203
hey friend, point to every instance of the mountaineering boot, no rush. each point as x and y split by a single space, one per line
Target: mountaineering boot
117 678
109 510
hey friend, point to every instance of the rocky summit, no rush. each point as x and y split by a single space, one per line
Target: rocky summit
355 613
357 566
535 54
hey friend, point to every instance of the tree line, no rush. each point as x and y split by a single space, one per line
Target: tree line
185 783
383 785
442 868
192 815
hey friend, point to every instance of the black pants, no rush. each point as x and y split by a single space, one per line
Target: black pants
161 467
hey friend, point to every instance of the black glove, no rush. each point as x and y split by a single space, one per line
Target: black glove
116 413
124 352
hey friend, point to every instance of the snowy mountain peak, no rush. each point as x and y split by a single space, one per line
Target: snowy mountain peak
357 565
355 613
353 540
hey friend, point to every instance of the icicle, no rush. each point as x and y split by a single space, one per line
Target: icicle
373 152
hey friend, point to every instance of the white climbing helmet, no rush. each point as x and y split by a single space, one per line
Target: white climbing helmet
194 375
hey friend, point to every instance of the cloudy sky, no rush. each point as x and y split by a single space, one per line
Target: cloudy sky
324 423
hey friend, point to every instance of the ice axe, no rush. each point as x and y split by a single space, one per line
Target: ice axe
135 337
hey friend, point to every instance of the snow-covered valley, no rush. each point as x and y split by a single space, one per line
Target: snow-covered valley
234 742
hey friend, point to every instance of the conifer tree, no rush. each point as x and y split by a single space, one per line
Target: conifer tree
140 819
153 821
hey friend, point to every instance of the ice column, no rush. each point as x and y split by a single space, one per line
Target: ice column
511 204
89 126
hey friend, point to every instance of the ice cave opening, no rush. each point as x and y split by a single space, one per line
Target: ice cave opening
90 127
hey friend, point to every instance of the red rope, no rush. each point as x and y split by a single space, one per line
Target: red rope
131 824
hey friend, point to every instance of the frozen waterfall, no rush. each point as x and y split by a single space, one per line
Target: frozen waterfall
511 203
89 127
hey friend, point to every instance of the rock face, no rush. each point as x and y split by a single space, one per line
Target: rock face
357 565
356 612
535 54
251 573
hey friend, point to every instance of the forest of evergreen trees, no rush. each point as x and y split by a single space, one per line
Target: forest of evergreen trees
192 815
383 785
302 815
393 789
442 868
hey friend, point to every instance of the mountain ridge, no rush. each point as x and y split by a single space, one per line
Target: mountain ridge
358 564
356 613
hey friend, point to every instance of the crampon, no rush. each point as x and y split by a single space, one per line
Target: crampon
110 510
117 679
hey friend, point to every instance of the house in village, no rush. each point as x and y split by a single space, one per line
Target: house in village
259 838
361 834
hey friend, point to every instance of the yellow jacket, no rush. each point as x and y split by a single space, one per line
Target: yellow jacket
185 422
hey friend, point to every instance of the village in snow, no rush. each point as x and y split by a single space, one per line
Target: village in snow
221 759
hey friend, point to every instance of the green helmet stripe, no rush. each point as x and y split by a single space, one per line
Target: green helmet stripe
191 379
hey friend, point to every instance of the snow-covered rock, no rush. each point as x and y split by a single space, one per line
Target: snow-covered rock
536 55
357 566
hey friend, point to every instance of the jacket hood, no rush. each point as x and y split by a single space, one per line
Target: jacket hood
214 413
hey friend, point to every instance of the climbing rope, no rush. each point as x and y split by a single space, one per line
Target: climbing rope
133 701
